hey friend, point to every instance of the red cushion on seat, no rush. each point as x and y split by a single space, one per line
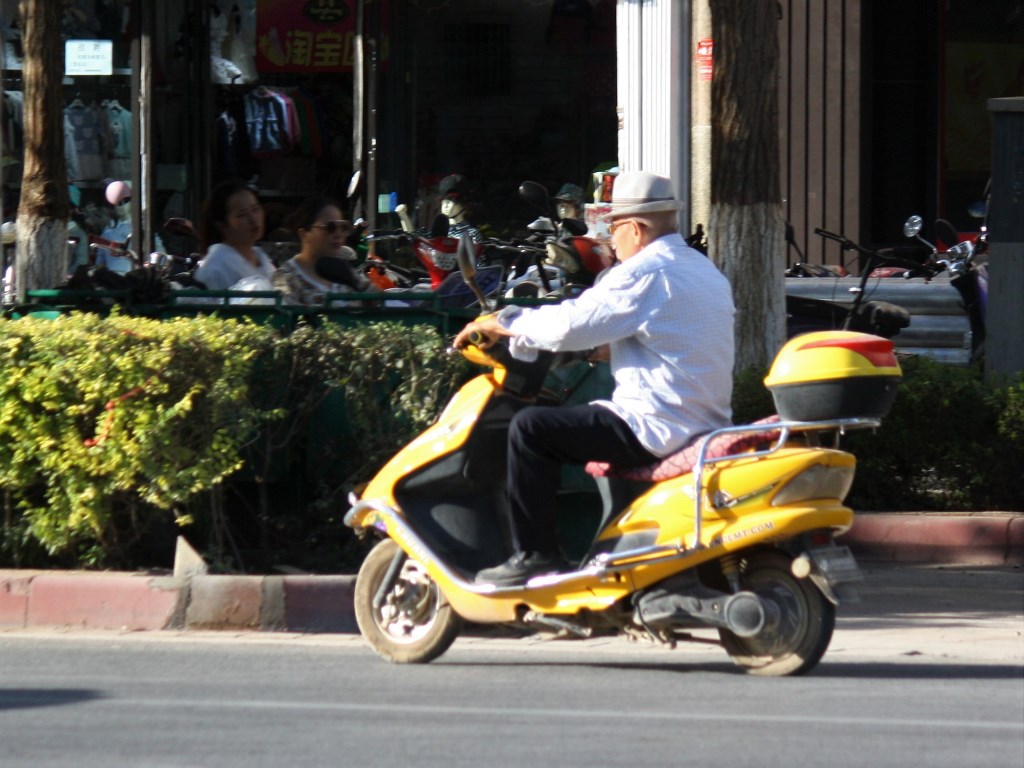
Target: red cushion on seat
683 460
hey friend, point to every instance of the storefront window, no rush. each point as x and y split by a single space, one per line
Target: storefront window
99 124
983 59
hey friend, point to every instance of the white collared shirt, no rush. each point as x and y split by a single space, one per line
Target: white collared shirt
223 266
667 314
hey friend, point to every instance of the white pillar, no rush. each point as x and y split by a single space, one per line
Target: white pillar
654 89
700 116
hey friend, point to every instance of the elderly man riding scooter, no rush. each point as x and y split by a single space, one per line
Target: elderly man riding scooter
666 314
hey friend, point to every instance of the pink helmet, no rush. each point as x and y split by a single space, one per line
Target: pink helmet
118 192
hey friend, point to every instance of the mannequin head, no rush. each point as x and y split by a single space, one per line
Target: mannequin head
453 208
569 202
119 195
123 212
454 192
569 211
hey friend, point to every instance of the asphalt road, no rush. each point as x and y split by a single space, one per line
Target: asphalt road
927 671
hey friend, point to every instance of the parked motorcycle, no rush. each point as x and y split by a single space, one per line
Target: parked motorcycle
431 257
963 261
179 262
735 534
880 318
434 280
557 259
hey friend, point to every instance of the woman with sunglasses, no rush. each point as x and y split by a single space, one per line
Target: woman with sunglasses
231 225
322 232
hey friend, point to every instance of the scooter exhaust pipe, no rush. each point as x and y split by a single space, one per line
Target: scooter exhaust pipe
684 602
743 613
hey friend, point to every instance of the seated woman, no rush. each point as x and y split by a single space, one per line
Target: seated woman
322 232
231 225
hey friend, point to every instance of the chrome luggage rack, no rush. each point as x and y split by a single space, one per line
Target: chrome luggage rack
784 429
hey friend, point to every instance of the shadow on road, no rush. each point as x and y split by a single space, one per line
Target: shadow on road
897 671
26 698
870 670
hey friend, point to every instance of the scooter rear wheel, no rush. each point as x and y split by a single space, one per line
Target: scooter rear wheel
799 624
414 624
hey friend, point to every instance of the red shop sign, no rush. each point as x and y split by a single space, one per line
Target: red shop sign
311 36
703 59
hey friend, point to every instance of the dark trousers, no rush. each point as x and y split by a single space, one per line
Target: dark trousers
541 440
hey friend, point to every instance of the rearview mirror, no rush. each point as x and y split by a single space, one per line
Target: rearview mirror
180 226
536 195
912 226
353 184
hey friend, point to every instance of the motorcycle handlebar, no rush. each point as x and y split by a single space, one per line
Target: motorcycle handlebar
378 263
946 232
382 234
900 256
895 257
833 236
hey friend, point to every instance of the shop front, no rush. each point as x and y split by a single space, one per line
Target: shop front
299 97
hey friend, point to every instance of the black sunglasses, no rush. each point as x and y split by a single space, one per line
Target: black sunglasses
334 226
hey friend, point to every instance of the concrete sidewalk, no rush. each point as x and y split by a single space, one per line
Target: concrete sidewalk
306 603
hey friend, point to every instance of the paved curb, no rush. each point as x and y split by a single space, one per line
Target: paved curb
304 603
982 538
141 602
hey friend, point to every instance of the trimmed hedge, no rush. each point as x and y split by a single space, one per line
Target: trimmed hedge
104 422
951 442
118 433
115 430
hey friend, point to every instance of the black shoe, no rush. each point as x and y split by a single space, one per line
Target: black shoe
521 567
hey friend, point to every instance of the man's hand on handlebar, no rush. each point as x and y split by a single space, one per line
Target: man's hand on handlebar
483 333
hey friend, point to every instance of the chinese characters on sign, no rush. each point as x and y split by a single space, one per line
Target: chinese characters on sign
88 57
299 49
316 36
704 59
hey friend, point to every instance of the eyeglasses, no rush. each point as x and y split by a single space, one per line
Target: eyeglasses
616 224
332 227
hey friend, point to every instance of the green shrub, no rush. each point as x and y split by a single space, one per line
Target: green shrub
951 442
106 424
395 379
248 441
353 396
117 429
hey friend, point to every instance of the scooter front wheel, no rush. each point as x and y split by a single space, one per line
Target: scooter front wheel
414 623
799 624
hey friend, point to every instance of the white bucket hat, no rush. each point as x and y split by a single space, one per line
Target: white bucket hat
639 192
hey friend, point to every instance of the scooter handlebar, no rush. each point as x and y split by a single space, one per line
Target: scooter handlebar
498 354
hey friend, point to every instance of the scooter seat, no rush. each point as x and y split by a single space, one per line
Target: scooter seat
684 460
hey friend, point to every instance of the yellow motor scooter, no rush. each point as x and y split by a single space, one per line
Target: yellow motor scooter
735 533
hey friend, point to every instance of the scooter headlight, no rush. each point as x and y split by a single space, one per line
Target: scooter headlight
817 482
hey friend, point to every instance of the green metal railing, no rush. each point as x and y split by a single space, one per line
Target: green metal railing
423 307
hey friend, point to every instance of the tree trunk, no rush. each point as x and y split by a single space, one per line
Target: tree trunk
746 228
42 252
